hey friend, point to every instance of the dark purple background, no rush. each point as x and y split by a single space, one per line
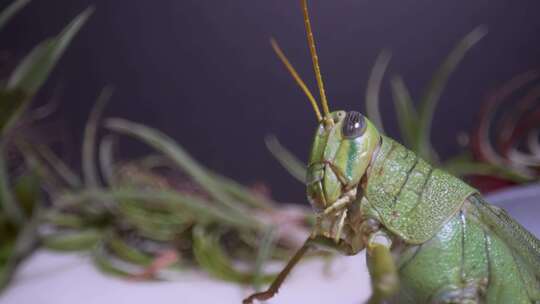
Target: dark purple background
204 73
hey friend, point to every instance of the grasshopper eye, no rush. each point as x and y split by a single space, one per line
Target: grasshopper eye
354 125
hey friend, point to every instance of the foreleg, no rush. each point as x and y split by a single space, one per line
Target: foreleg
382 267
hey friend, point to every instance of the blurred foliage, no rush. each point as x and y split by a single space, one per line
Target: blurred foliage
507 136
20 191
415 121
415 118
162 212
140 218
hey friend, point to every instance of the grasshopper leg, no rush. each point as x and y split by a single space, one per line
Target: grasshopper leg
382 267
274 287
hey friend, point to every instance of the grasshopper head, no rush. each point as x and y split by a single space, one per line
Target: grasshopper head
342 149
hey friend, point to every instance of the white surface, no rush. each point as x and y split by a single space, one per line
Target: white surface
49 277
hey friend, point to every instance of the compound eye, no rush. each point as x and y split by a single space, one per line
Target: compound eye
354 125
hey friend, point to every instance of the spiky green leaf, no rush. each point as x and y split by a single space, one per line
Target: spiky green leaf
167 146
405 112
11 10
290 162
211 257
10 206
431 96
91 177
35 68
70 241
374 88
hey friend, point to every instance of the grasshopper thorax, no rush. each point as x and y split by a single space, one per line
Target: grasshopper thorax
343 146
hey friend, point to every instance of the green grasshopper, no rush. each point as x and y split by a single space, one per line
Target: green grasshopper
429 237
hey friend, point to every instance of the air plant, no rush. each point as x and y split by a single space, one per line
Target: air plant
415 123
145 218
139 218
150 217
510 143
19 184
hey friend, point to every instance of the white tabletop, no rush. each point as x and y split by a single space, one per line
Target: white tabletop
49 277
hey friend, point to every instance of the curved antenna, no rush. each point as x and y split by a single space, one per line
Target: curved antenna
296 77
314 58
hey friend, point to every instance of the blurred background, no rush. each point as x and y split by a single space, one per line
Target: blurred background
203 72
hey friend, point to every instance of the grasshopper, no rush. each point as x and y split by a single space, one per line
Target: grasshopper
429 237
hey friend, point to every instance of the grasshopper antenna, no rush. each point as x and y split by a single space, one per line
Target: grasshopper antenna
274 288
296 77
314 58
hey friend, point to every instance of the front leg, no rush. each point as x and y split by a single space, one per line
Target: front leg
381 266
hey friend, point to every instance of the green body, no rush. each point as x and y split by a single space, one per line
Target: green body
443 241
465 256
409 197
430 238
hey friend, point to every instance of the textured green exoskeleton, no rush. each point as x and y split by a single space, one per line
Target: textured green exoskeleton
429 237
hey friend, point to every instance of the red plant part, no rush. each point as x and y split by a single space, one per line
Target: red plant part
511 142
162 261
